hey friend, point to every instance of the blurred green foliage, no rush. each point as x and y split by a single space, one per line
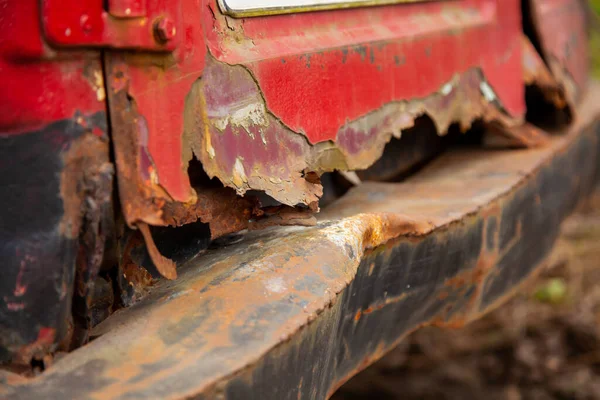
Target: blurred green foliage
554 291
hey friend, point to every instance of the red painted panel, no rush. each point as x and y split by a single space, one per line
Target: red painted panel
38 85
159 94
320 70
86 23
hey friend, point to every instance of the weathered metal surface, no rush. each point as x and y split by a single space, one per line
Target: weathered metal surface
114 24
561 26
524 135
36 93
272 158
55 185
320 91
164 265
536 73
293 312
401 155
225 211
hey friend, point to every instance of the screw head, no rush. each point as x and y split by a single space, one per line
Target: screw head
164 29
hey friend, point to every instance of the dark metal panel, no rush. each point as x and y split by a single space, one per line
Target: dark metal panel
55 184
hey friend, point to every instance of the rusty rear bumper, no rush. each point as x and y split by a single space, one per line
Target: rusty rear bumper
294 312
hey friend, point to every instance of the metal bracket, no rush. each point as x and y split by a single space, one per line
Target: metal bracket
127 24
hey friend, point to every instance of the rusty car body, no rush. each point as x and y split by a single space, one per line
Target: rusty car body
164 166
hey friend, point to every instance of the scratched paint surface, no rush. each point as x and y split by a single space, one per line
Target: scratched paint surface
439 249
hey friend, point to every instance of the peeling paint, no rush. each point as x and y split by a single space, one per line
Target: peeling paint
239 175
247 117
229 105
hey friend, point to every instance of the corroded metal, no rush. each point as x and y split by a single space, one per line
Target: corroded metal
536 73
275 159
560 26
315 92
294 312
56 188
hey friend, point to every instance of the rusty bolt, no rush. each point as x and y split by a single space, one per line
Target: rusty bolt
164 30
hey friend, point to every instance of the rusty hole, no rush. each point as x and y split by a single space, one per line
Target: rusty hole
541 112
405 156
198 177
334 187
37 366
200 181
180 244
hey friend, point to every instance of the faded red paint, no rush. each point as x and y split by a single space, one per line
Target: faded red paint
398 53
38 86
87 23
317 71
159 86
561 27
41 346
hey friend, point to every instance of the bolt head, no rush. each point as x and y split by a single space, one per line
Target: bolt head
86 23
164 30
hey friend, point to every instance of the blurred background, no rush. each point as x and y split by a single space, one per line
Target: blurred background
543 344
595 38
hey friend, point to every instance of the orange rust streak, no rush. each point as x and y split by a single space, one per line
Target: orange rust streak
166 267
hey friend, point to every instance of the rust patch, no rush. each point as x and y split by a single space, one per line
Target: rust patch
283 215
522 136
138 278
137 281
220 207
37 349
86 191
535 73
166 267
461 100
242 144
84 161
141 198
